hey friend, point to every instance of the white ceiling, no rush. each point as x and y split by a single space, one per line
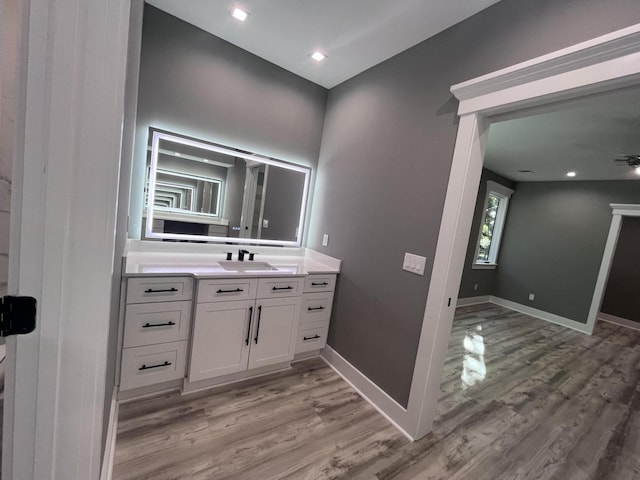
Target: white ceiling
355 34
584 136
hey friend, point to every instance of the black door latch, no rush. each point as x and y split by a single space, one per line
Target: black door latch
17 315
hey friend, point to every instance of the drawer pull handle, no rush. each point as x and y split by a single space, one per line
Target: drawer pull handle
165 364
258 325
235 290
311 338
246 340
288 287
151 290
311 309
151 325
319 284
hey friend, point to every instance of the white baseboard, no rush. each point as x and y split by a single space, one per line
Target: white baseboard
542 315
378 398
465 302
110 445
605 317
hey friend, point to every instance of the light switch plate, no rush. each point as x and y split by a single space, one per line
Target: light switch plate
414 263
325 240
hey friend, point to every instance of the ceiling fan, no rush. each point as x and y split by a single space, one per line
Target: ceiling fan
630 160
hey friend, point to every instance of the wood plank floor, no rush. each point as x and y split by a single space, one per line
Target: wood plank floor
520 399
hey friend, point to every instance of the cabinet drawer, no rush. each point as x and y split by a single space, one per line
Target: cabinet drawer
159 289
280 287
312 336
221 290
149 323
320 283
142 366
316 307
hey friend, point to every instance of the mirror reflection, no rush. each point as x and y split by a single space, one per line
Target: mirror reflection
199 191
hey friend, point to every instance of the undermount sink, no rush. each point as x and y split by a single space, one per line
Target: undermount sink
235 266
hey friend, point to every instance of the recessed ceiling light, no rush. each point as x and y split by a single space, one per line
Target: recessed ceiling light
318 56
571 174
240 14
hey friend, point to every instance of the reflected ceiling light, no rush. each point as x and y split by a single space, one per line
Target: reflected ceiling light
637 169
571 174
318 56
239 14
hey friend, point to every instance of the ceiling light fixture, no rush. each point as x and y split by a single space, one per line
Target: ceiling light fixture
571 174
239 14
637 169
318 56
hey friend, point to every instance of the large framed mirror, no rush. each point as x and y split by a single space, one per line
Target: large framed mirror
204 192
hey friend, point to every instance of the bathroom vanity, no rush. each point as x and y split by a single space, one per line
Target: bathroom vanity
219 289
193 320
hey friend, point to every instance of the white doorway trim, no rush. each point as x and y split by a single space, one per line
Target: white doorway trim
605 63
71 73
618 211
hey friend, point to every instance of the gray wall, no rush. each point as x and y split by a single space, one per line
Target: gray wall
8 118
282 201
201 86
384 165
554 240
622 295
484 278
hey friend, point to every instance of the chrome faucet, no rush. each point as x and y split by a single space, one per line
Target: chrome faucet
241 254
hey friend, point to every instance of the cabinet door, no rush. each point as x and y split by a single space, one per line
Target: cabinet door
274 332
221 338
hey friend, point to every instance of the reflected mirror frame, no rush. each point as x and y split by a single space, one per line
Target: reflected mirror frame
195 177
157 136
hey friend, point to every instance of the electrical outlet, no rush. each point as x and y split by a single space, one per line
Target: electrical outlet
532 297
325 240
265 223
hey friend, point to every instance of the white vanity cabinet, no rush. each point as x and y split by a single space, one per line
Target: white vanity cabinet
157 322
243 324
315 315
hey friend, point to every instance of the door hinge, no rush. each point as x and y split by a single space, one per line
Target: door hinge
17 315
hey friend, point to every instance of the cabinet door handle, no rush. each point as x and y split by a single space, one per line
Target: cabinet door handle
151 290
319 284
288 287
311 338
258 325
165 364
311 309
246 340
230 291
151 325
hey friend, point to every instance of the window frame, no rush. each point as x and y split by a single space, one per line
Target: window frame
504 193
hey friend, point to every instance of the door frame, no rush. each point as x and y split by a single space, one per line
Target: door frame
68 136
618 212
602 64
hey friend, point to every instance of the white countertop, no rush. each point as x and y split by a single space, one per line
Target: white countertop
201 260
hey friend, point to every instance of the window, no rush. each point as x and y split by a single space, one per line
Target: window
493 216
